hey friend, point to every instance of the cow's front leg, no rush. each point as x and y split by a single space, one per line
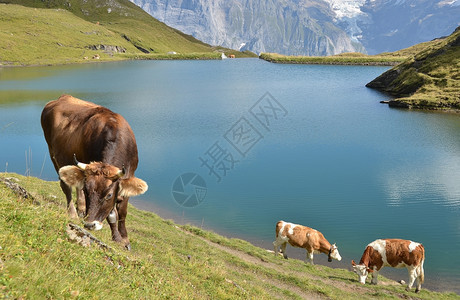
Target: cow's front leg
375 274
112 220
276 245
309 257
283 250
71 211
122 208
81 203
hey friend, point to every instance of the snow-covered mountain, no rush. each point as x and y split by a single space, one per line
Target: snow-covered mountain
309 27
285 26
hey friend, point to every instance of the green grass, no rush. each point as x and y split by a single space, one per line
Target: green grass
47 36
354 58
39 261
341 59
50 33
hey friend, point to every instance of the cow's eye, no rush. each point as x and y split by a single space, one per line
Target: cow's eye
108 196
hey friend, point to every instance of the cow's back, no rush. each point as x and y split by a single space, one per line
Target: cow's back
91 132
396 253
297 235
403 252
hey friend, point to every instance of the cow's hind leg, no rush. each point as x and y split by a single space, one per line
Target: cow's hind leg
68 195
412 277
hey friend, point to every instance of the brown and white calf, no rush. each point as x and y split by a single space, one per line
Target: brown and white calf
395 253
304 237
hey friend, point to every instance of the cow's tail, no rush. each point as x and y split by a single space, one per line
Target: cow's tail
421 272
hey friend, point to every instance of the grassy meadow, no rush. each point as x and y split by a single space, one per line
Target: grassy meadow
40 35
39 260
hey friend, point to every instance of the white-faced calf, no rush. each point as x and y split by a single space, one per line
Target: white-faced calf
304 237
394 253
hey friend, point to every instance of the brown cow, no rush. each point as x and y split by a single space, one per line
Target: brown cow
304 237
73 129
394 253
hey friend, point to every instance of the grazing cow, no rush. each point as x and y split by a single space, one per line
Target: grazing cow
73 129
304 237
395 253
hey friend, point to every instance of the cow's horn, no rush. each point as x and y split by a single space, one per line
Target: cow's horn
121 172
79 164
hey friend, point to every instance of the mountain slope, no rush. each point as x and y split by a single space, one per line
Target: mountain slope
429 80
290 26
46 30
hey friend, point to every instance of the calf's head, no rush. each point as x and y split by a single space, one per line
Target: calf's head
334 254
361 270
102 184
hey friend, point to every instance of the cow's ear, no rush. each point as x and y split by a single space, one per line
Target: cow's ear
73 176
353 263
370 270
132 187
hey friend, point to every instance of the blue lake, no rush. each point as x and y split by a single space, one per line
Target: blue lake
236 145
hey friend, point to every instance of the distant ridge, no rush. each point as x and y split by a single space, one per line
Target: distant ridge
429 80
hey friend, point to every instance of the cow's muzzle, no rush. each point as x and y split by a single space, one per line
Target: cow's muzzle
95 225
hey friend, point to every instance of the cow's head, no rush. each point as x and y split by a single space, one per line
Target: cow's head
334 254
102 185
361 270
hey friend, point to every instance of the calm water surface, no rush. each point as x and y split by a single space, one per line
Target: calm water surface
306 144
